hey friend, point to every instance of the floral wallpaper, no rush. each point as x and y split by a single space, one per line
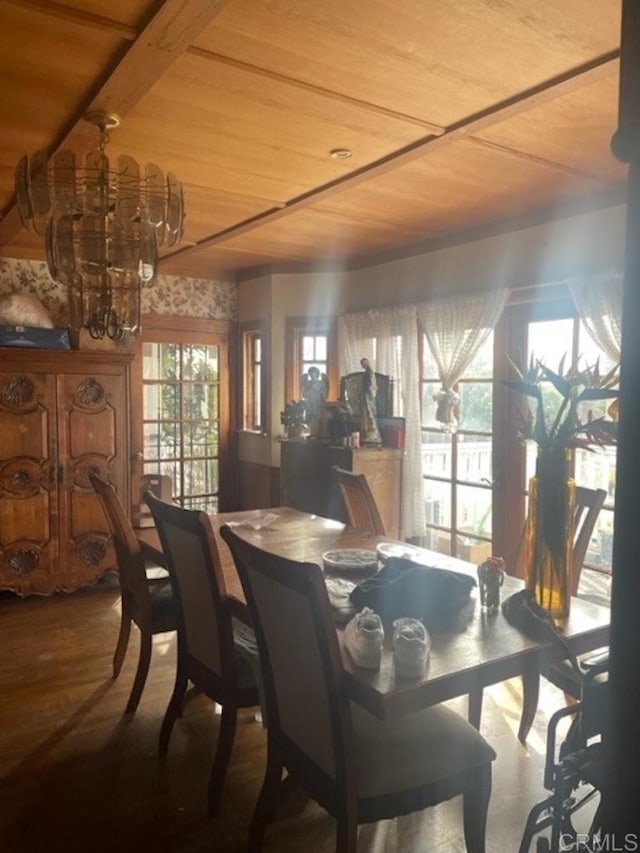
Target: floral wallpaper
179 295
191 297
33 277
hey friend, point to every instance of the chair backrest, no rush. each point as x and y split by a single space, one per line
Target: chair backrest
589 502
161 486
131 566
359 502
205 632
306 702
588 505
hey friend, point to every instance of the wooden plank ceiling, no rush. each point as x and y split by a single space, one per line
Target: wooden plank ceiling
461 115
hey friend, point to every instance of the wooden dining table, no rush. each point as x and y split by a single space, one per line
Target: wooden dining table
486 651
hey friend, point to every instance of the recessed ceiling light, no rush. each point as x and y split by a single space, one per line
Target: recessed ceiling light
340 153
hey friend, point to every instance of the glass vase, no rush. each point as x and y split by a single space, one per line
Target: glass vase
549 533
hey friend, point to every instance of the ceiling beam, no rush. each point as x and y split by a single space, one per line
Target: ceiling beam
556 87
166 35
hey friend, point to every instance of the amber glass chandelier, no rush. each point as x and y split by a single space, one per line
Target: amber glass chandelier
102 223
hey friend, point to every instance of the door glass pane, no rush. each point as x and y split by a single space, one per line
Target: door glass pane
550 340
200 476
591 353
160 361
436 454
474 511
429 405
437 497
208 504
481 365
429 366
201 438
199 401
476 405
161 402
200 362
474 462
160 440
171 469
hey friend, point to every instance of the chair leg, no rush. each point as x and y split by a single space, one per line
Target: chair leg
141 673
174 710
267 801
123 642
347 834
222 757
475 808
474 709
530 694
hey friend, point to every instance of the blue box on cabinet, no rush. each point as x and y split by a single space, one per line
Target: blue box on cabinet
34 336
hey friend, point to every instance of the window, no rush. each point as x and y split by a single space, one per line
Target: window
457 467
314 352
309 342
181 419
252 418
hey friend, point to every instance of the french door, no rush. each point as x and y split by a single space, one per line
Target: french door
181 408
549 333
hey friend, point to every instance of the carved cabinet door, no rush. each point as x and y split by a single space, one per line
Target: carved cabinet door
28 488
61 416
91 437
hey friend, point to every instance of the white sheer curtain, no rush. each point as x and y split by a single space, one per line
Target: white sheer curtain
455 328
388 337
598 299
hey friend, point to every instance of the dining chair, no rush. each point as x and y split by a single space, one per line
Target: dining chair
161 485
216 652
359 502
147 602
589 502
359 768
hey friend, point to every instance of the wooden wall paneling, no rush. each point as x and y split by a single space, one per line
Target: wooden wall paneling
258 485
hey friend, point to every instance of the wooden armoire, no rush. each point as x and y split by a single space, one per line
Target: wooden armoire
62 415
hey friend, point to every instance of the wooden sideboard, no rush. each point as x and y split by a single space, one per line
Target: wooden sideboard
62 415
306 482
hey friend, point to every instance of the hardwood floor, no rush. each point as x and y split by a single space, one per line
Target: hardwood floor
77 776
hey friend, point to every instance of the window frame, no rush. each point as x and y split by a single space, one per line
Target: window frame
295 329
249 337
